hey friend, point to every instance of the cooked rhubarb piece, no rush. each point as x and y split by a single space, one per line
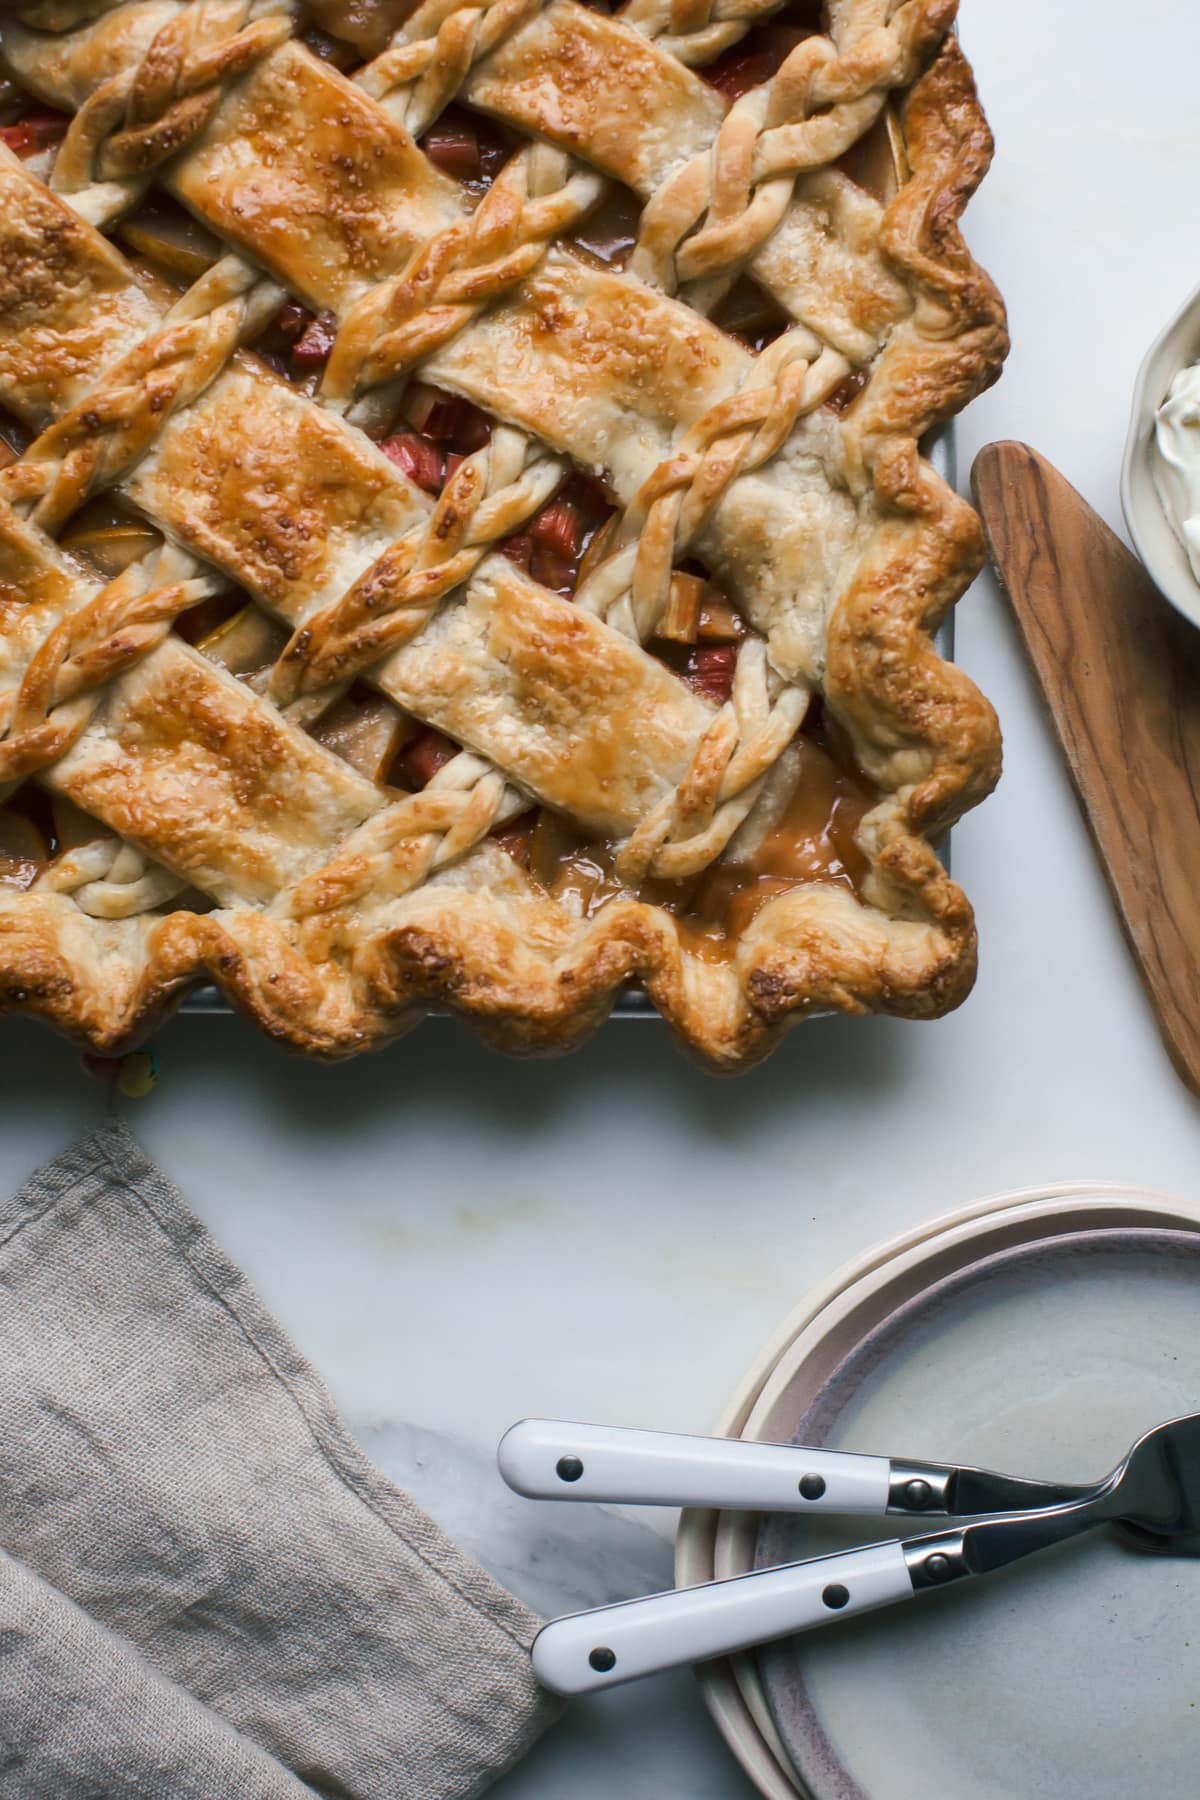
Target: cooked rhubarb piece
292 320
455 151
365 24
680 623
739 70
557 534
559 526
108 536
169 238
446 418
517 836
710 670
698 610
552 571
561 532
24 851
419 457
467 147
720 622
763 49
610 230
421 758
366 729
518 548
243 639
847 391
39 129
312 347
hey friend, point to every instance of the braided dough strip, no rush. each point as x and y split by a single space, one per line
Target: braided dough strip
432 54
696 32
89 648
402 321
103 438
710 217
107 879
148 112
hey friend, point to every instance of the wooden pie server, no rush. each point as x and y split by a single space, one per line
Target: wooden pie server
1120 673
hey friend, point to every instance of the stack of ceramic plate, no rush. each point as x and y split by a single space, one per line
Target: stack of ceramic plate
1040 1333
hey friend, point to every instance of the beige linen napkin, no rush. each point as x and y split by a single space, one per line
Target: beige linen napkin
209 1591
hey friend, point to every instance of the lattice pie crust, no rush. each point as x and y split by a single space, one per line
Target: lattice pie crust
229 841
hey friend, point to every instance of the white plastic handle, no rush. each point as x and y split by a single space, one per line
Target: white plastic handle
599 1649
551 1459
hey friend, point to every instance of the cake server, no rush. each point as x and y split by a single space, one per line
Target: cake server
554 1459
1155 1492
1120 673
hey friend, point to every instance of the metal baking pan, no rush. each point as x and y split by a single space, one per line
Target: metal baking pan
940 449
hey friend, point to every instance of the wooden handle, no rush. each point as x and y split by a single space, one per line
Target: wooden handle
1120 672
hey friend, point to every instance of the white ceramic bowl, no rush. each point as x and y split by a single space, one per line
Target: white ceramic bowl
1177 345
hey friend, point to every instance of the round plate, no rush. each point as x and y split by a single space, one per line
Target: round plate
802 1360
1074 1674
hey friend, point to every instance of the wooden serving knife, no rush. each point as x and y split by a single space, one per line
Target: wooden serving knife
1120 673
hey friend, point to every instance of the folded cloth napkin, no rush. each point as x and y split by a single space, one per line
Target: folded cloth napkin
208 1590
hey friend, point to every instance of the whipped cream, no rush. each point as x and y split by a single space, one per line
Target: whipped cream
1176 462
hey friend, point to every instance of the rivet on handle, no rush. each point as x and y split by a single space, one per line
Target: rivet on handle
568 1468
835 1596
811 1487
602 1659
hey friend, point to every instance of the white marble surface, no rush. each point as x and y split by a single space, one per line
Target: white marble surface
457 1240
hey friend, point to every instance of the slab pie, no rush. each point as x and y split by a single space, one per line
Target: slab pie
464 541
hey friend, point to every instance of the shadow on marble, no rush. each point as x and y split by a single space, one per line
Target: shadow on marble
817 1061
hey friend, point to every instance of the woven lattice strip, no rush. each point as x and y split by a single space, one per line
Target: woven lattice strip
696 31
737 752
88 649
462 270
108 879
630 588
367 311
431 55
401 847
483 243
99 441
710 218
488 497
147 113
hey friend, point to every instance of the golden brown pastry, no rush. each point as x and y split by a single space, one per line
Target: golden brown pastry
464 541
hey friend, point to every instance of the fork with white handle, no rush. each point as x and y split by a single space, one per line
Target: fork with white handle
1154 1493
